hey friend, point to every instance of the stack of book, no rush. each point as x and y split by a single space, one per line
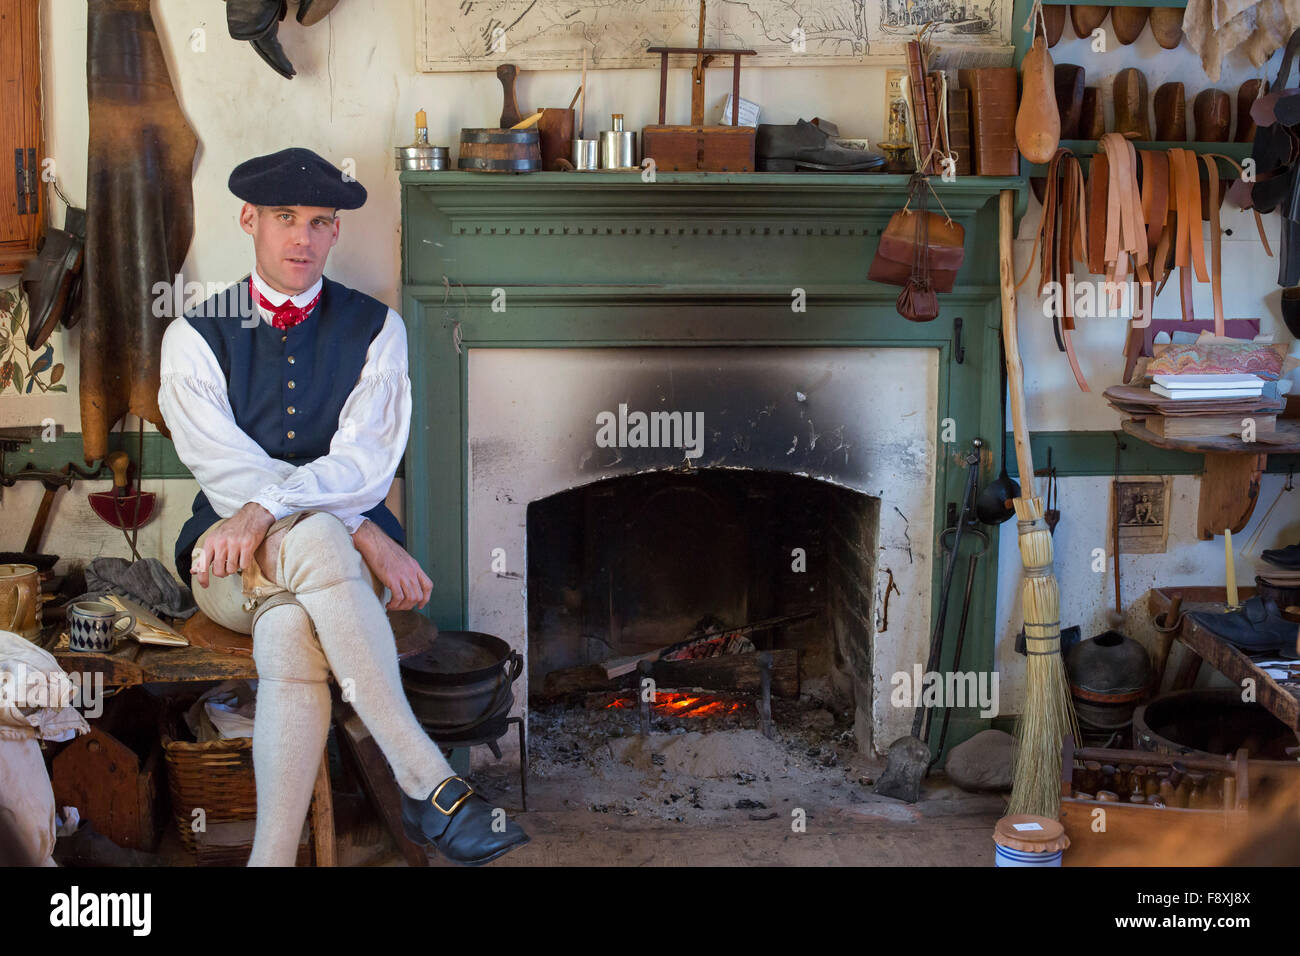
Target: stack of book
1198 406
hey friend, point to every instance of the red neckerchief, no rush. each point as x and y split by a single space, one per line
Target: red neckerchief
287 315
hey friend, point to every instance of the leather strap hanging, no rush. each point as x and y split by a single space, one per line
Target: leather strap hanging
1061 241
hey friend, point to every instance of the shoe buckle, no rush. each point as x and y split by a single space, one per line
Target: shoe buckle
455 806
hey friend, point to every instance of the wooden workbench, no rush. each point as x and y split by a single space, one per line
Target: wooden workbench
1279 697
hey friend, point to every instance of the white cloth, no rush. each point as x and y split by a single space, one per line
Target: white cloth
32 688
233 470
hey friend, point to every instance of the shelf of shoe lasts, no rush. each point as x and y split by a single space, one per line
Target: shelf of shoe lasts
1181 4
1230 481
1085 148
1279 698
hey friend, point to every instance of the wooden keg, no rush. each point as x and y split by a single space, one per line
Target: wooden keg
500 150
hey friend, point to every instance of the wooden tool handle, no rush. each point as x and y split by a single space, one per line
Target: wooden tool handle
507 73
121 464
1011 342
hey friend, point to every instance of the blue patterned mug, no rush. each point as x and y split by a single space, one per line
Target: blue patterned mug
91 626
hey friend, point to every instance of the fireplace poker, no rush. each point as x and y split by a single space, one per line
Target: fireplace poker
765 694
961 628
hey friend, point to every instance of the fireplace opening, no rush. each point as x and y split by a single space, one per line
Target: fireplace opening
701 572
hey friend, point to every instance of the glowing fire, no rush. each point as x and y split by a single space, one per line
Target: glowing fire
671 704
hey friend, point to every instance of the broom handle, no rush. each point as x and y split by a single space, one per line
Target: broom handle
1011 344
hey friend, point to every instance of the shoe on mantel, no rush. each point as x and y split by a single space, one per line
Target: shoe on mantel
460 824
1258 627
805 146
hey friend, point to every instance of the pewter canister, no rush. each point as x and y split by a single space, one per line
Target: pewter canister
586 154
617 146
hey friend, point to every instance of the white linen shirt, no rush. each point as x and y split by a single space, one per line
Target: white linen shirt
233 470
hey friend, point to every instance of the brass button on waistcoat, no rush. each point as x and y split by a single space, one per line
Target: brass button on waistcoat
289 435
290 359
291 410
290 383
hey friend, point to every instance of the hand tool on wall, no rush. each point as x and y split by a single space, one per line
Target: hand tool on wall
1052 515
971 561
994 503
122 507
909 757
1048 714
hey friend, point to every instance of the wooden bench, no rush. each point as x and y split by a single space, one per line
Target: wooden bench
217 653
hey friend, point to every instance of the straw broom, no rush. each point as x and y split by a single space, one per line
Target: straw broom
1049 711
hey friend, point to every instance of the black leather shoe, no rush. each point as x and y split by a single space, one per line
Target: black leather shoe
52 281
459 823
1288 557
805 146
258 22
1258 628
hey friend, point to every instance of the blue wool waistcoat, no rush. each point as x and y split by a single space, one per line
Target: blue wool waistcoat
323 357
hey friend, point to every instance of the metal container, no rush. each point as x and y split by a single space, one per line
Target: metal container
586 154
421 157
1110 674
500 150
461 682
618 146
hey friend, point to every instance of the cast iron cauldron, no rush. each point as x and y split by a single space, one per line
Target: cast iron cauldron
461 682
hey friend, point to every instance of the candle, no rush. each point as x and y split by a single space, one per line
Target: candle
421 121
1232 570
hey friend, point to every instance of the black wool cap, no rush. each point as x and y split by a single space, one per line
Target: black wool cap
295 177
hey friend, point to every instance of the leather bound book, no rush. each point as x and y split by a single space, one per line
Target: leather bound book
959 130
993 119
916 89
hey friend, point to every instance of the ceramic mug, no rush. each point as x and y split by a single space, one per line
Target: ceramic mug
20 600
91 626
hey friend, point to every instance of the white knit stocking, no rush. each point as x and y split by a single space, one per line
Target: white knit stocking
289 731
324 571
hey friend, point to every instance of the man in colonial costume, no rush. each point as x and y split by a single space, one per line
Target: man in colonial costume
288 398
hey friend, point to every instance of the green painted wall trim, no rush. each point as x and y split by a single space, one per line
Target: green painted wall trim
1089 453
160 459
1074 453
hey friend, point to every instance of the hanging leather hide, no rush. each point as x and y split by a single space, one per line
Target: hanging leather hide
139 216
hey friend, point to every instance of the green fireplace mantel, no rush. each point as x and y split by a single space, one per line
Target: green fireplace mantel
572 260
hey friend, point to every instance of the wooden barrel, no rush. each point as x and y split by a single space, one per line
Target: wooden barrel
500 150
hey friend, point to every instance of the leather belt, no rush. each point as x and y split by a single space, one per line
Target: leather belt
1061 241
1139 215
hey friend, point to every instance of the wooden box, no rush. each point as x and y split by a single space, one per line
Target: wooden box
714 149
1128 834
112 787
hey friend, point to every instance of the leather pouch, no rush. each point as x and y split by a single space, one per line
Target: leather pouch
921 251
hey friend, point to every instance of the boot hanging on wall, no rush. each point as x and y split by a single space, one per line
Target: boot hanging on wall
258 22
139 215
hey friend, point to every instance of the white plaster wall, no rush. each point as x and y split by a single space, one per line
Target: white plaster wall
355 96
532 432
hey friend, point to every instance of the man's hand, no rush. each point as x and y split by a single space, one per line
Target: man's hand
230 548
394 568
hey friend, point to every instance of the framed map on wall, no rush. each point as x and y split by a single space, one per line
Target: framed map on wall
469 35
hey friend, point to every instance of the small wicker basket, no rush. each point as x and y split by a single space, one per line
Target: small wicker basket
217 777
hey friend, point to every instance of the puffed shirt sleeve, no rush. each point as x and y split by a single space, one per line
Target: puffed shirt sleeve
229 466
368 442
232 469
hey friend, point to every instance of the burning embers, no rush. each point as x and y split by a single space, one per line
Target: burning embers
677 704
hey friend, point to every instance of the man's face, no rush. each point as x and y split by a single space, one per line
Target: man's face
291 243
